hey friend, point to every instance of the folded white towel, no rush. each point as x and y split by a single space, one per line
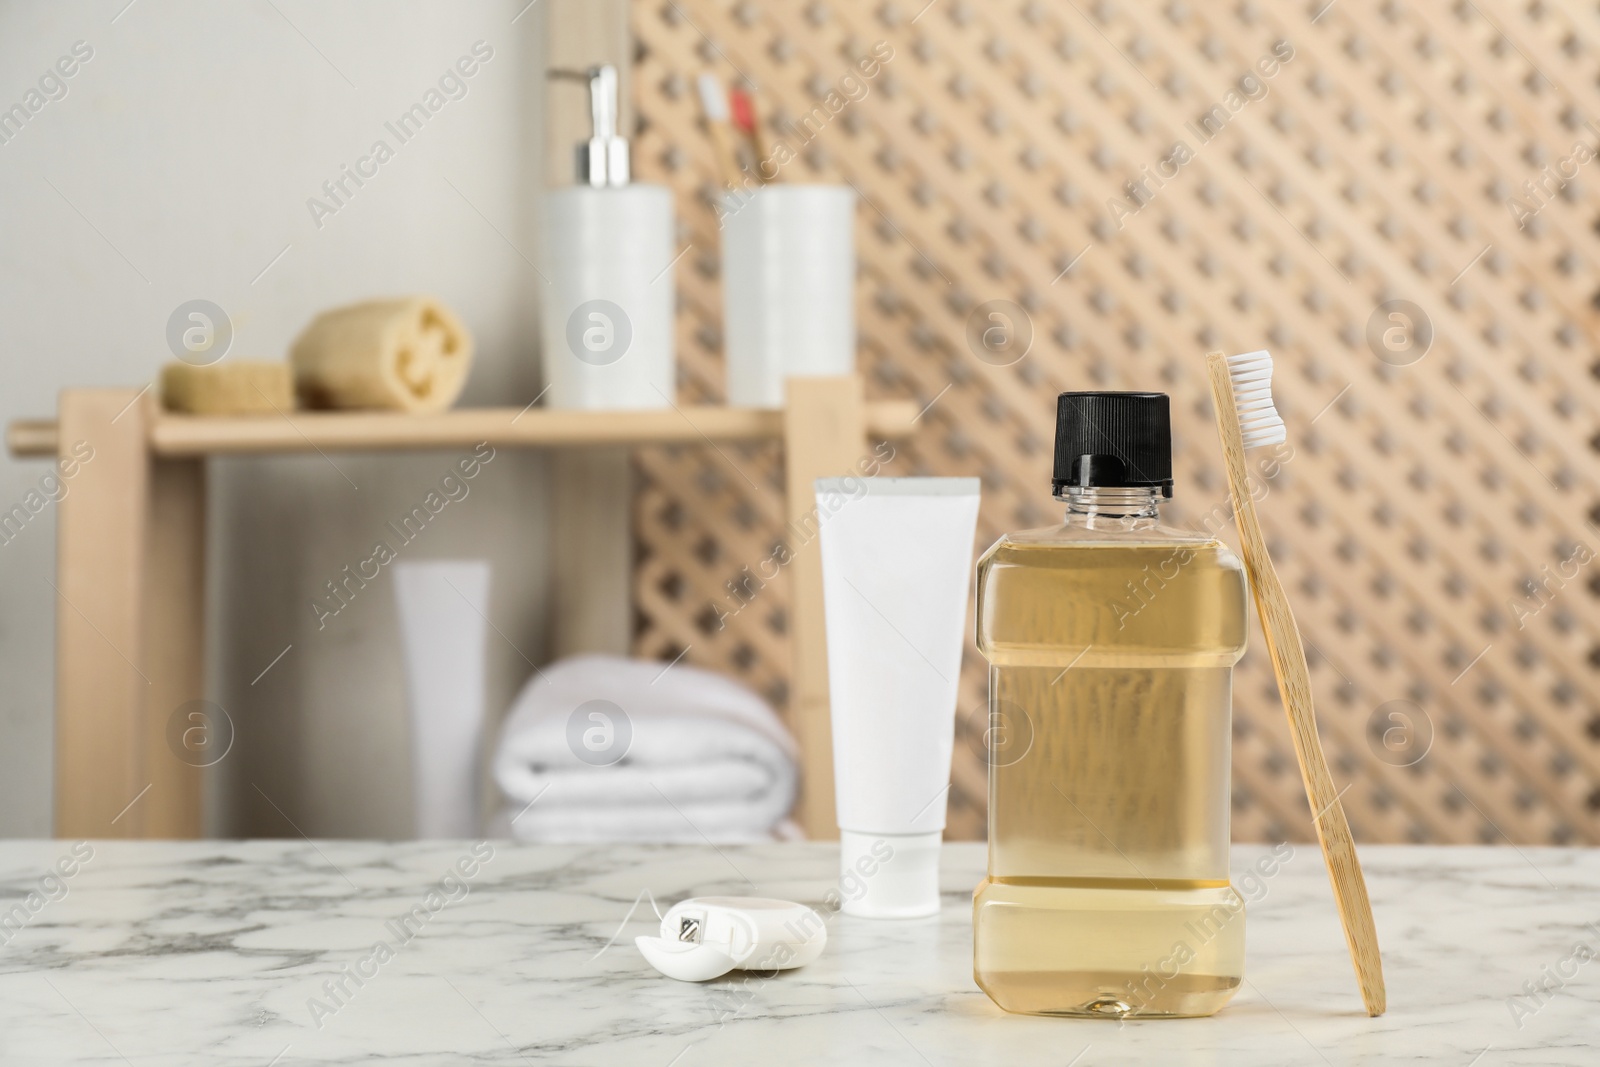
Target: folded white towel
618 750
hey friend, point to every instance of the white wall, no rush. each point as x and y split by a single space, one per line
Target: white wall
178 165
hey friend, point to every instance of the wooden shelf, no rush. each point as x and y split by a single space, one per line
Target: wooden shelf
131 557
352 431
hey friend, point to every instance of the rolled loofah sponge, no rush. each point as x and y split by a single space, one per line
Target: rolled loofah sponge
408 354
232 388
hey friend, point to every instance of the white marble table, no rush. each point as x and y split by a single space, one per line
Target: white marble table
212 953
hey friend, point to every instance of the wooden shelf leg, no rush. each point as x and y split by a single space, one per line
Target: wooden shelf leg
128 622
174 647
824 436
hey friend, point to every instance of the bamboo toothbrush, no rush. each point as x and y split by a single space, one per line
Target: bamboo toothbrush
714 102
742 106
1241 387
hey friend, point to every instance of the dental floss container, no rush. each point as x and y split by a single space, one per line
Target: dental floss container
706 937
607 283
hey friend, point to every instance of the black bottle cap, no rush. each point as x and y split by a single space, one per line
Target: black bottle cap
1114 439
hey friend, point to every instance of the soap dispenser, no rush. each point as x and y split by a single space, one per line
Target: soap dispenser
607 275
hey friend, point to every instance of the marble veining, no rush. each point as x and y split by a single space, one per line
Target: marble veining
268 952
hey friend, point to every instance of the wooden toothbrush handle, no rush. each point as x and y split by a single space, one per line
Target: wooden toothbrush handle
1294 686
727 158
1333 831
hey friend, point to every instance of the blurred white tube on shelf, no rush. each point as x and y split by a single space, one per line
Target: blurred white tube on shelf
443 607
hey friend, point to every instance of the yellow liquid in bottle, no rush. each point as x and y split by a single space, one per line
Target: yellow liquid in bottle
1111 645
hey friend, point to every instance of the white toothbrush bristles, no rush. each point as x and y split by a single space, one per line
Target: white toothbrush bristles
713 99
1259 421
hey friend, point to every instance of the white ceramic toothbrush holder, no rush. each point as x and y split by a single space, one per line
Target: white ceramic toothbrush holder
788 288
608 297
443 626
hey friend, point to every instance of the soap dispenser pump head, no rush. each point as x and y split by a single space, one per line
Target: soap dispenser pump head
603 159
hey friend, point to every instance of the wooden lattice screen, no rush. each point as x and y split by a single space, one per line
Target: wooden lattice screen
1435 521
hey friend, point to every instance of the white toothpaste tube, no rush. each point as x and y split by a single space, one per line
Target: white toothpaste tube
896 570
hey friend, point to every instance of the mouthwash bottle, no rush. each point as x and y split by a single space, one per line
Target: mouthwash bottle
1111 640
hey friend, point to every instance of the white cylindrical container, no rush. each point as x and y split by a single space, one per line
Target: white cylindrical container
896 568
443 626
788 288
608 297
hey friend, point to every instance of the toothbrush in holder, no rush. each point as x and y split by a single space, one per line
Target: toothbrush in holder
714 102
742 108
1241 388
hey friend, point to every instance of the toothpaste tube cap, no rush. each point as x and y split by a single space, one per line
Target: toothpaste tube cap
889 876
